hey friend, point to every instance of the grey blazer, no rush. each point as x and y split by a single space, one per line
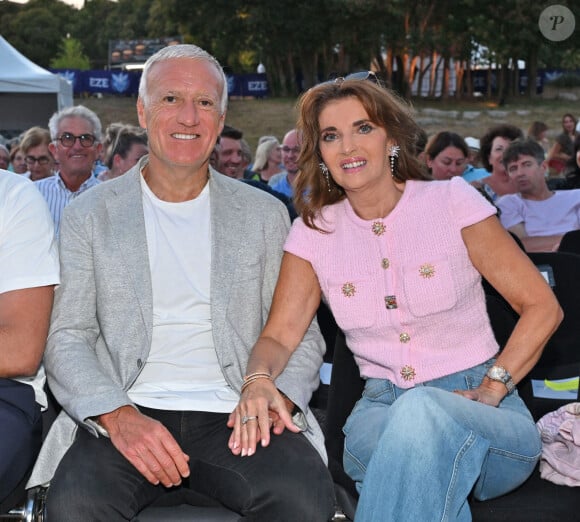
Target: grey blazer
101 326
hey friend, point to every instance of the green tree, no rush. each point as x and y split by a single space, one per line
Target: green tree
38 27
95 24
71 56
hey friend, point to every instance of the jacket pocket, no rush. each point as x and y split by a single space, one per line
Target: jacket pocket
353 302
429 287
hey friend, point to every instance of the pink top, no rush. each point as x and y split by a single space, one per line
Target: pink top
403 288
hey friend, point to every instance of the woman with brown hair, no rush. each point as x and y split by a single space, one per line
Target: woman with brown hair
446 154
399 261
493 144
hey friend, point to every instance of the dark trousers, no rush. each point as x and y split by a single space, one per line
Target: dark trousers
20 433
287 481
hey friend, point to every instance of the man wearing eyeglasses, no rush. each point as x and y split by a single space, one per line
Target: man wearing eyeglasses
38 158
290 151
76 136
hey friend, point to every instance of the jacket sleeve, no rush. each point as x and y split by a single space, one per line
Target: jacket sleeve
76 374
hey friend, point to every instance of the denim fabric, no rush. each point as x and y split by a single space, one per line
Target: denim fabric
417 454
287 481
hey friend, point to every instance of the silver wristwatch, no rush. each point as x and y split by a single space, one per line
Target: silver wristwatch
500 374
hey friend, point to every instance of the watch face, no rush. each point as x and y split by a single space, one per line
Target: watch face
496 372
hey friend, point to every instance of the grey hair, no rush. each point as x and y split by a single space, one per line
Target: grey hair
263 152
78 111
191 51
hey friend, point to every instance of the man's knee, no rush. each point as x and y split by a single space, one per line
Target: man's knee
94 482
302 489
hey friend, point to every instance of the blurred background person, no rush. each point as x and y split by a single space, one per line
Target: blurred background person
268 159
17 162
4 157
474 172
538 131
573 167
39 160
230 159
562 150
474 148
493 144
247 160
125 146
446 155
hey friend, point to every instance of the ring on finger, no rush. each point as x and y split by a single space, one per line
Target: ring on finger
247 418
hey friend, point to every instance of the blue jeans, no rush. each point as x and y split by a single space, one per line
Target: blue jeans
417 454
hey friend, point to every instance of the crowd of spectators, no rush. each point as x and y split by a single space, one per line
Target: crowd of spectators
533 182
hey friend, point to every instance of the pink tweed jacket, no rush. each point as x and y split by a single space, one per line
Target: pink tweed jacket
403 288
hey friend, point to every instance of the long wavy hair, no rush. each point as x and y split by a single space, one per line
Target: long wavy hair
384 109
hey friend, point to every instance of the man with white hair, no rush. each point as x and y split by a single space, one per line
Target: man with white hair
76 144
168 274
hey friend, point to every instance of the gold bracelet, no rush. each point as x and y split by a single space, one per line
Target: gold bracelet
255 374
253 379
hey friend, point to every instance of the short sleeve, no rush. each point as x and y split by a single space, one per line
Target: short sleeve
468 204
301 241
511 210
28 251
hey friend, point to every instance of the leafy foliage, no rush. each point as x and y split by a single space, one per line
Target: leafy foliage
71 56
302 42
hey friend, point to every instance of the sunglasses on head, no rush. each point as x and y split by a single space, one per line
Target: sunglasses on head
360 75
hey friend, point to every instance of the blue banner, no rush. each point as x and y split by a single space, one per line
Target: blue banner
255 85
126 83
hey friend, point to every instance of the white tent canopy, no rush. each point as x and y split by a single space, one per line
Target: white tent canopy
29 94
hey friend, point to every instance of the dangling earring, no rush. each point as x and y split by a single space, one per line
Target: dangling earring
393 155
326 174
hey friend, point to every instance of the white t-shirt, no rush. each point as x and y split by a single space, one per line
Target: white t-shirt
182 371
558 214
28 251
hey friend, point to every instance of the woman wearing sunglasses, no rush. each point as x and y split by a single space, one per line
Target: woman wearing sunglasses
399 261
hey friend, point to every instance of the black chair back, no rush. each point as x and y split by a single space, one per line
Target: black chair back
561 356
570 242
345 389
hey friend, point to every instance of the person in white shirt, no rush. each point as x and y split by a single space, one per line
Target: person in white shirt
537 215
29 268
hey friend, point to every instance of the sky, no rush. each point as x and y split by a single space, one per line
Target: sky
76 3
